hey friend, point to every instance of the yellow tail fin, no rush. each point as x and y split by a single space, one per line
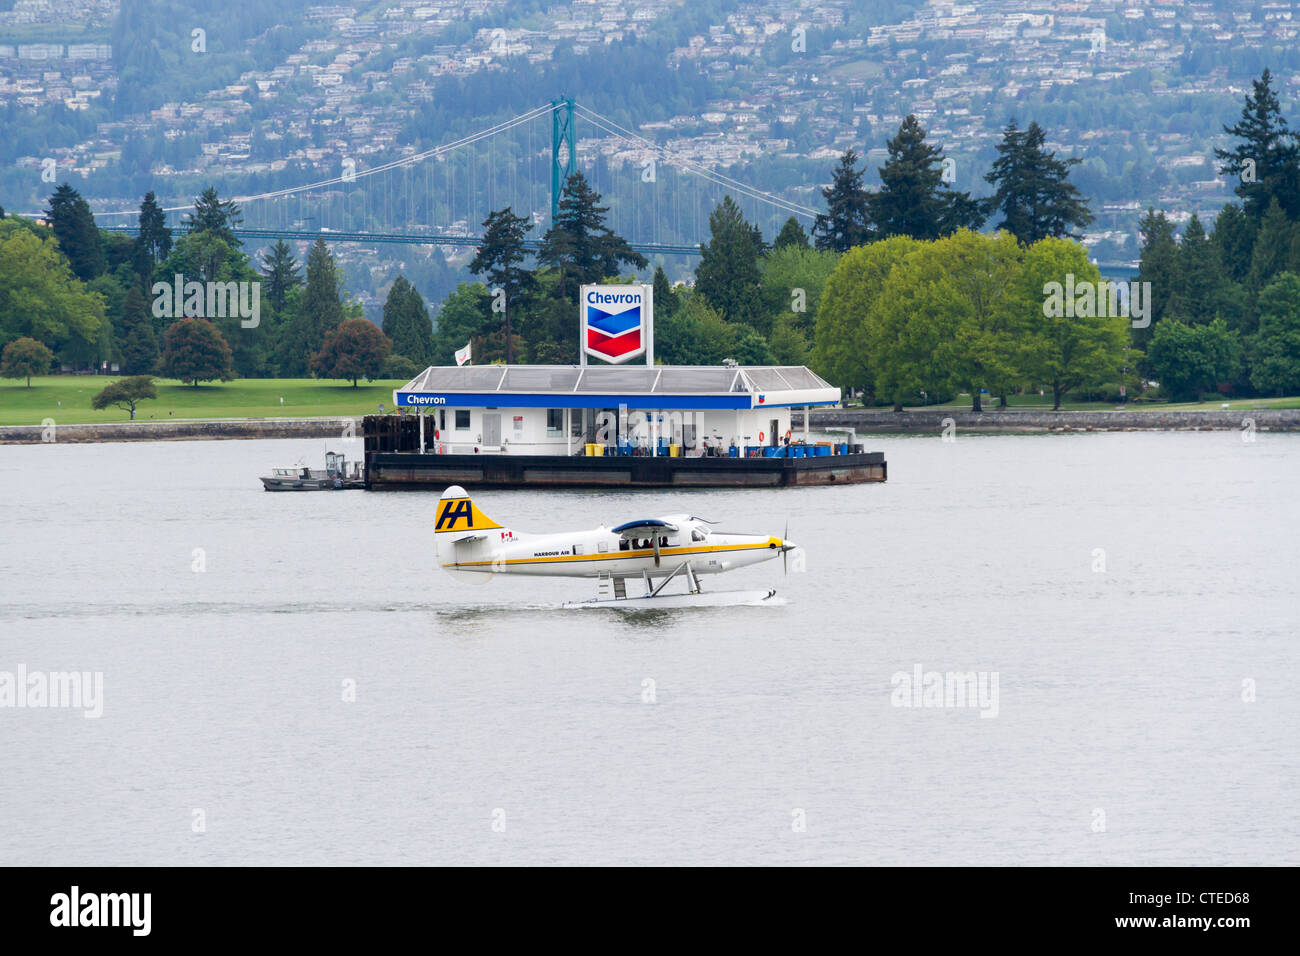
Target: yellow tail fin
457 514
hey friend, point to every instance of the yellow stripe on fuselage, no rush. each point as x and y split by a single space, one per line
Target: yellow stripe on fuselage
614 555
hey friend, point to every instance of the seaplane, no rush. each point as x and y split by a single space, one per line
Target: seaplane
653 551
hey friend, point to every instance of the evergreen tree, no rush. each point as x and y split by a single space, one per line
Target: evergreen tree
1266 161
1159 266
579 244
847 220
1034 193
74 228
1272 249
395 312
913 199
791 234
500 258
729 273
321 312
665 297
136 340
1275 349
406 323
215 215
1234 235
280 269
154 241
1198 278
461 319
419 329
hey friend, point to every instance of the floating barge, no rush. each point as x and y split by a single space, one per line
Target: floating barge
500 426
387 471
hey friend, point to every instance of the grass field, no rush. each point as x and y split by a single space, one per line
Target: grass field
66 399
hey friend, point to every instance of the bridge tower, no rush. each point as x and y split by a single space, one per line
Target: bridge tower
564 158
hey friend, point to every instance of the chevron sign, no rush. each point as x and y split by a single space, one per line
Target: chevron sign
617 321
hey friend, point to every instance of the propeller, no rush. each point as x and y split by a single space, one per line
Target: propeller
655 541
786 547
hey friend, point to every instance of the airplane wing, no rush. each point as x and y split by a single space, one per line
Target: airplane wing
644 528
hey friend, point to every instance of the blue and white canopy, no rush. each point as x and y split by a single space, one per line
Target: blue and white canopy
609 386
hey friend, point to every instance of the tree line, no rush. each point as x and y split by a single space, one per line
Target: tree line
1226 302
895 291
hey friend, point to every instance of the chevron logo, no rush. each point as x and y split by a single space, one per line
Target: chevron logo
613 346
613 322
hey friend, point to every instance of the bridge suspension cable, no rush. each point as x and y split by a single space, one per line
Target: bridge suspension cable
374 170
720 179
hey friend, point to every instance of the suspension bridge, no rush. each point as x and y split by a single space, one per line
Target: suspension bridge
440 195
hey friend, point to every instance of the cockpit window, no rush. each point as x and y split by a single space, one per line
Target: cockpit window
698 534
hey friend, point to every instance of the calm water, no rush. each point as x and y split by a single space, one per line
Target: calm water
1121 735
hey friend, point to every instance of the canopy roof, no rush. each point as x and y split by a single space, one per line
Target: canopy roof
602 386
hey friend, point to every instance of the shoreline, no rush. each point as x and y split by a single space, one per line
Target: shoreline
192 429
865 421
1016 422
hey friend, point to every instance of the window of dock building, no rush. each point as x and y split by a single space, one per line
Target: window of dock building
462 419
554 422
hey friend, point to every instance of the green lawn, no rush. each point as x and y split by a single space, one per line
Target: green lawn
66 399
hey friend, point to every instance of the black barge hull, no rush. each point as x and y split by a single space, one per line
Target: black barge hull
391 471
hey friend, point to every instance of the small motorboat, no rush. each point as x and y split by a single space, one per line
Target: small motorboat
336 476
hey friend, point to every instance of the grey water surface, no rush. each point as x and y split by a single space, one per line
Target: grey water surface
1131 598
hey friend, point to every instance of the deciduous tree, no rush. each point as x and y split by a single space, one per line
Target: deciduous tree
194 351
355 350
125 393
25 357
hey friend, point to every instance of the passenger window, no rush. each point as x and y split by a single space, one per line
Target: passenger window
624 544
697 535
663 542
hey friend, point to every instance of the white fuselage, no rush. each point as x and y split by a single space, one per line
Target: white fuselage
600 550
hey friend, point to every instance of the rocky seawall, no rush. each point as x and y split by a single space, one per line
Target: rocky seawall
186 430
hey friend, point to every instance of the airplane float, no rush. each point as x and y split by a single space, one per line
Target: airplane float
469 544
